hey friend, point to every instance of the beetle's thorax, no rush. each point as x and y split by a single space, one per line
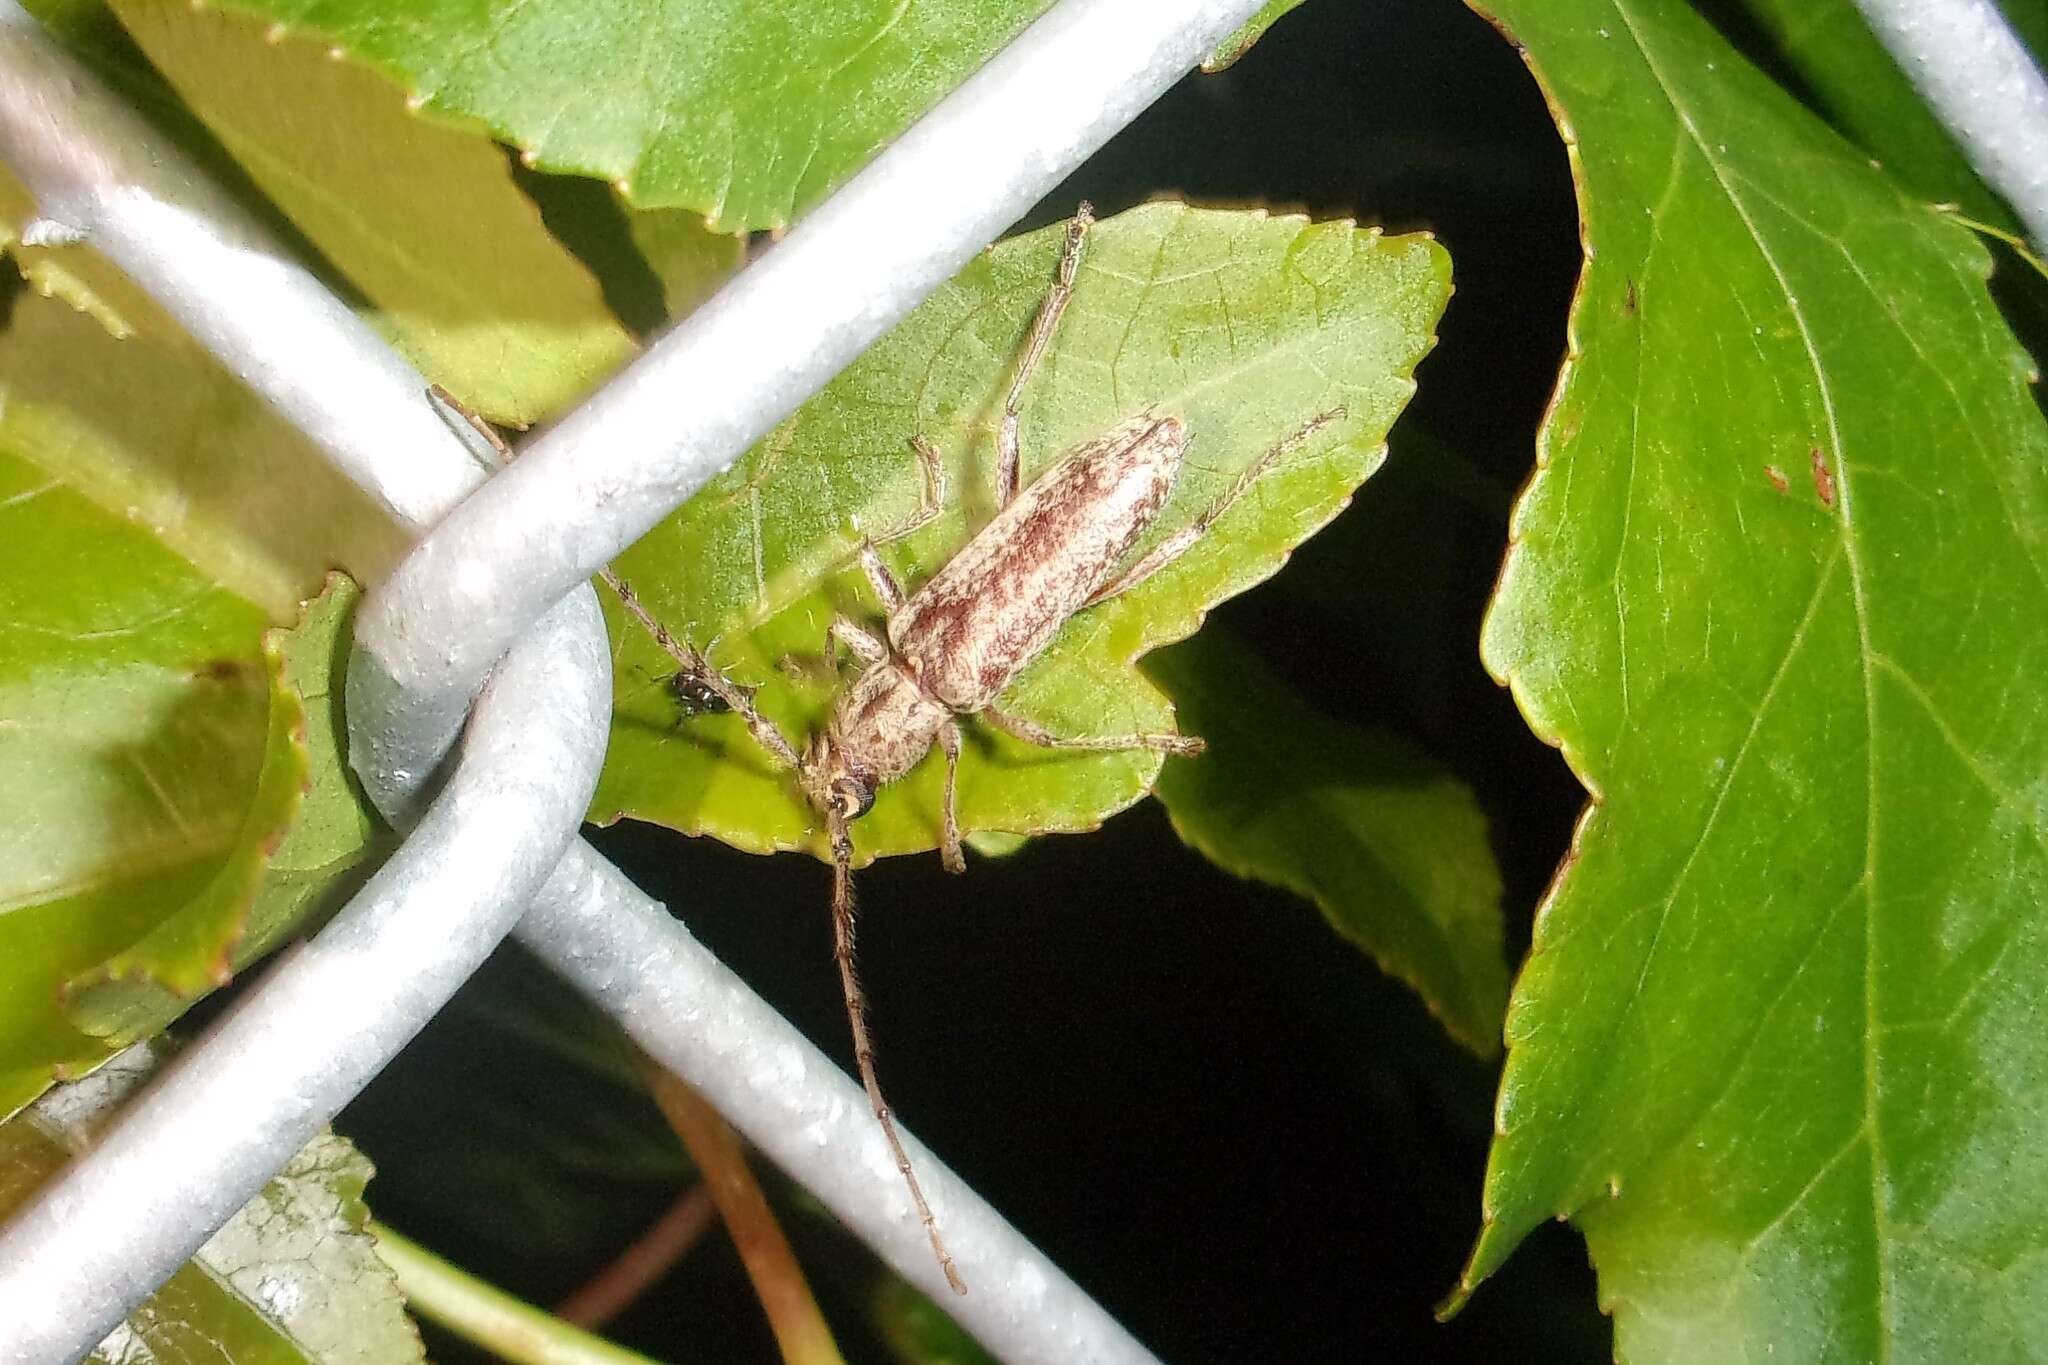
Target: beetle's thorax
884 724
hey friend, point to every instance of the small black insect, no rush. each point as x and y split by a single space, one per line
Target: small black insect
695 697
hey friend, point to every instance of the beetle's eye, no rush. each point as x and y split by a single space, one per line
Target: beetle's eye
855 797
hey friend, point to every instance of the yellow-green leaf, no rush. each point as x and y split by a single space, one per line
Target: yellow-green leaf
133 713
1243 325
424 219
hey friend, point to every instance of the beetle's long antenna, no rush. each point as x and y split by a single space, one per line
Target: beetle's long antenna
703 670
687 659
863 1049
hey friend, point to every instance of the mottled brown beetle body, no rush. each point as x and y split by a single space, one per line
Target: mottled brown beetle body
960 640
1000 601
951 649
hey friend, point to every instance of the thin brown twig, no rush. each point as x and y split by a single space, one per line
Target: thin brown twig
634 1271
785 1294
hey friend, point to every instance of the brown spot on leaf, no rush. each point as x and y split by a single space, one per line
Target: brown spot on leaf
1777 478
1823 477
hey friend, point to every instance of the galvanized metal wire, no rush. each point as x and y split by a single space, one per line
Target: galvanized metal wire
331 1013
604 475
209 1132
284 1060
1968 64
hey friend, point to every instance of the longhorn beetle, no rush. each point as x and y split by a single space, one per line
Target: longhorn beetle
950 649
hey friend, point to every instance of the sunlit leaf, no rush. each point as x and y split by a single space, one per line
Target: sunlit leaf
743 113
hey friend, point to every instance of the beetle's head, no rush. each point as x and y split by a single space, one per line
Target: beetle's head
834 786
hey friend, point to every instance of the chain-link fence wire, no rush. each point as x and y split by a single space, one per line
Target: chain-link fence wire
1974 72
499 833
285 1059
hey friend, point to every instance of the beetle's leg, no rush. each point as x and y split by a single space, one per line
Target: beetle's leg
476 422
885 584
1049 310
1031 732
934 494
697 666
949 741
1185 539
823 667
863 1049
858 642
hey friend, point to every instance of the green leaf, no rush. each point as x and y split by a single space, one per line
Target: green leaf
1777 593
292 1277
1244 326
917 1331
307 828
1241 42
152 427
744 113
138 990
1388 845
133 713
425 220
689 259
155 758
313 870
